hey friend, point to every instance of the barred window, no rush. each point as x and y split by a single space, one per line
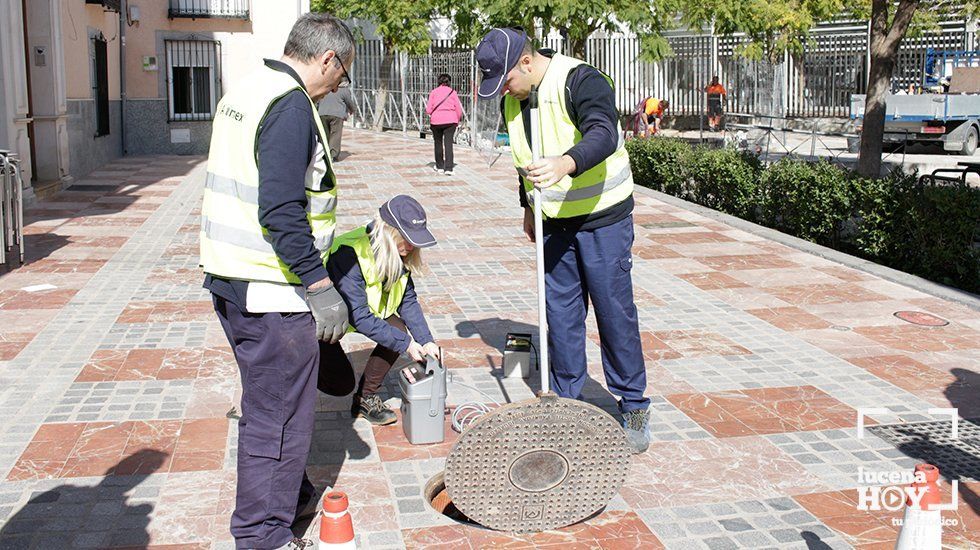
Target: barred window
193 78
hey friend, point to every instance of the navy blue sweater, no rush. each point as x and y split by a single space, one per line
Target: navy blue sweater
346 275
288 140
591 104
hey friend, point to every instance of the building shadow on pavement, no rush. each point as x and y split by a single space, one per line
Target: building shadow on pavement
73 516
336 435
493 331
95 196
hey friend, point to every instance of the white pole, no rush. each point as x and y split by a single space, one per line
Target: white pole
539 248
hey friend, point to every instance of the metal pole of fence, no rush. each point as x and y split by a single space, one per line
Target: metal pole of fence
20 211
8 204
813 141
473 100
3 207
701 119
403 61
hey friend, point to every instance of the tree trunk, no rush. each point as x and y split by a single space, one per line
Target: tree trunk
576 47
384 84
884 42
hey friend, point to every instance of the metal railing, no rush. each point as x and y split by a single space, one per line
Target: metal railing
222 9
11 209
816 83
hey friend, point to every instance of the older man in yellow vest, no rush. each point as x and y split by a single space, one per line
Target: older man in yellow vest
267 224
587 203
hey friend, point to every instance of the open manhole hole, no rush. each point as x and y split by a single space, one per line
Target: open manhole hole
933 442
438 498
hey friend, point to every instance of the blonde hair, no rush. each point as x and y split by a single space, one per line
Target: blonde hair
387 260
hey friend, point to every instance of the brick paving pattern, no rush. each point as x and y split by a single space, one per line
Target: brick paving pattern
118 393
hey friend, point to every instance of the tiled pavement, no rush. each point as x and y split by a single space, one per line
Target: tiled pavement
118 392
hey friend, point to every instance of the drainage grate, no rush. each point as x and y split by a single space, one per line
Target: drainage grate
933 442
95 188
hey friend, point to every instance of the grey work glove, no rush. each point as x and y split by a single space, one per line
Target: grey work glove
330 313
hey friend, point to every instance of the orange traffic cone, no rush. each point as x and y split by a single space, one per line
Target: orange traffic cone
336 528
922 527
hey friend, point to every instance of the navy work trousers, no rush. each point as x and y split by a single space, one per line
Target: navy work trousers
594 264
277 355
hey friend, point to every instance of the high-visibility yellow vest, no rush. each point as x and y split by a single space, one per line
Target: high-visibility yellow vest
233 242
604 185
382 303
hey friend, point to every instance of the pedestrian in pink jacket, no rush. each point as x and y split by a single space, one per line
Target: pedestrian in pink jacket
445 111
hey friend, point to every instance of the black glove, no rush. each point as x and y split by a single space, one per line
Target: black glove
330 313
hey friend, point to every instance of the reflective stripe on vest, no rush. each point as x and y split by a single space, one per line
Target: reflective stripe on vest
382 304
607 184
315 204
233 242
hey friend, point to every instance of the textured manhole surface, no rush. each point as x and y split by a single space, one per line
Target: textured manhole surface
933 442
921 318
537 465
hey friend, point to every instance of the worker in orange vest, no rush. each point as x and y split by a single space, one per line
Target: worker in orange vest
716 97
654 110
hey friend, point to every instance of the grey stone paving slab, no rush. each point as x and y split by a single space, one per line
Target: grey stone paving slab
156 335
777 522
340 437
120 401
409 477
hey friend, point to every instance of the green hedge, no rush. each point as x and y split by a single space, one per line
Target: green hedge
931 231
809 200
655 162
722 179
928 230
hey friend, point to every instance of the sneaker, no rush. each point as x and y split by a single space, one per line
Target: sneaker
448 172
298 544
637 428
373 409
436 169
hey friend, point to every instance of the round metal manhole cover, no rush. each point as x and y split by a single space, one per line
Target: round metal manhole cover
921 318
537 465
538 471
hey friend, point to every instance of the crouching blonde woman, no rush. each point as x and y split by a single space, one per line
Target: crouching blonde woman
372 267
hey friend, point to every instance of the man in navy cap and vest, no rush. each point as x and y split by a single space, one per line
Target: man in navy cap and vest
587 203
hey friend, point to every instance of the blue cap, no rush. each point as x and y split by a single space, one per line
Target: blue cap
497 54
407 216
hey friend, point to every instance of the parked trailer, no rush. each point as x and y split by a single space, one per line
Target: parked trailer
952 120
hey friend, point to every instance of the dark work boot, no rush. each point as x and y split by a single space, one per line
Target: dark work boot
373 409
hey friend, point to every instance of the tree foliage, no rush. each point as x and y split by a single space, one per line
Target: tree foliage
772 26
403 25
575 20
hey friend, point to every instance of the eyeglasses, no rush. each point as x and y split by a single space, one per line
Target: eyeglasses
347 78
